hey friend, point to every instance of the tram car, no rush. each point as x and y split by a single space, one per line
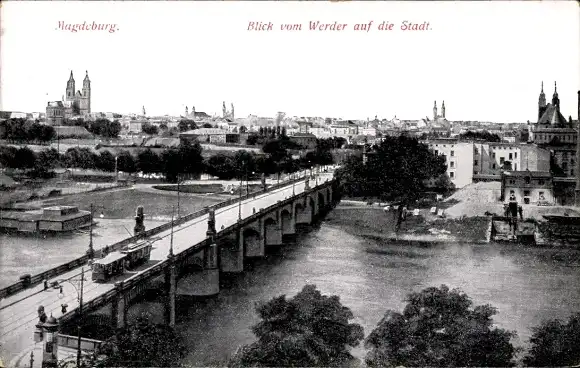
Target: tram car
137 254
111 265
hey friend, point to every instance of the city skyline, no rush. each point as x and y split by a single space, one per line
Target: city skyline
483 59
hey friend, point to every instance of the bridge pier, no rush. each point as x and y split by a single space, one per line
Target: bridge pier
303 214
170 288
273 231
254 245
119 307
232 253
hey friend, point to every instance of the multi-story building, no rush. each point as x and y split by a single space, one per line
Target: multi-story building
528 187
55 113
475 161
459 157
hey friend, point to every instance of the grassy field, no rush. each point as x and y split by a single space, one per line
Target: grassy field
118 204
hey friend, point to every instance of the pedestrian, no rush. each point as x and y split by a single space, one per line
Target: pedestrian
45 284
521 212
63 308
60 290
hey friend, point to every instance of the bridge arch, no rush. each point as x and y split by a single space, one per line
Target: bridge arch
321 201
252 242
286 222
272 232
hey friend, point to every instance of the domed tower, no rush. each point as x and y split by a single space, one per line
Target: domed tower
70 88
541 102
86 95
555 98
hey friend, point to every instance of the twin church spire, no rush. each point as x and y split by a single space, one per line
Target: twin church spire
542 105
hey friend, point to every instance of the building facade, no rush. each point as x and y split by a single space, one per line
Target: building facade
55 113
528 187
459 158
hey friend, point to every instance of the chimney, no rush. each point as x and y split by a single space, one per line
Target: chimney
577 191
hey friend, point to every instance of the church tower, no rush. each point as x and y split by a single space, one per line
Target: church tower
224 111
144 113
541 102
232 112
86 95
443 110
186 112
70 88
555 98
192 112
435 111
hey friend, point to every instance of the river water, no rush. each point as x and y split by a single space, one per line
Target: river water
526 285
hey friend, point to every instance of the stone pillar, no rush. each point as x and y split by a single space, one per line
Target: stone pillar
119 307
232 254
50 346
139 221
170 285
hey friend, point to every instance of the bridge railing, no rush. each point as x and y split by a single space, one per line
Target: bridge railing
134 282
59 270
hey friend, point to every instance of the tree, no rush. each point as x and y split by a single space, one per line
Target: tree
555 344
126 162
207 125
480 136
150 129
171 161
396 170
25 158
307 330
186 124
141 344
191 158
49 159
438 327
148 161
507 166
222 166
105 161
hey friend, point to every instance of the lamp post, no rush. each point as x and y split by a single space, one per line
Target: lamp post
240 199
91 251
116 169
178 191
80 298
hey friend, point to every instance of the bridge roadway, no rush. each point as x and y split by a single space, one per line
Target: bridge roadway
18 315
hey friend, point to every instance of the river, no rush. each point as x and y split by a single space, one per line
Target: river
526 285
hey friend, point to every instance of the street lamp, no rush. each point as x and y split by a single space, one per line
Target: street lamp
80 298
91 251
116 169
178 191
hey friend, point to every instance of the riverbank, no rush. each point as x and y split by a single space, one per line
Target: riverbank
374 223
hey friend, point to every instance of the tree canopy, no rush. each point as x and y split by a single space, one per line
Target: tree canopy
438 327
555 344
307 330
396 169
140 344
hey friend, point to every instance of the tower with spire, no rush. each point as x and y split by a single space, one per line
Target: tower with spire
443 110
541 102
555 98
144 113
78 102
434 110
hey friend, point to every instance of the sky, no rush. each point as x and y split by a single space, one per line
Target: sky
486 60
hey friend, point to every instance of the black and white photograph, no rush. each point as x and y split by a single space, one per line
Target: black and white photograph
289 184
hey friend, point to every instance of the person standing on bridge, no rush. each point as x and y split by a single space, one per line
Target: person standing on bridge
45 284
